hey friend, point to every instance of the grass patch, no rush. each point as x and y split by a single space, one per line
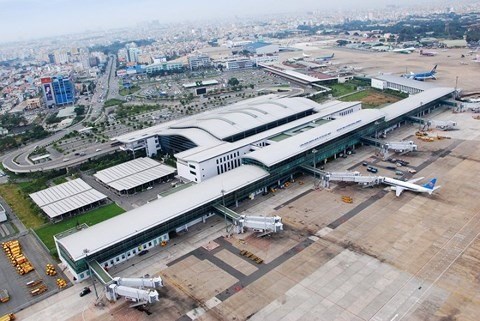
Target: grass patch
129 91
371 98
112 102
342 89
46 233
356 96
59 180
21 204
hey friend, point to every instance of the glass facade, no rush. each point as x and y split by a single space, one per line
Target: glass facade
63 90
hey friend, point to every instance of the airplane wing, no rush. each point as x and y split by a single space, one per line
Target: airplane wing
398 190
415 180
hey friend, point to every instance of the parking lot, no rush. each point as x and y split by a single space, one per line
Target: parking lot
20 296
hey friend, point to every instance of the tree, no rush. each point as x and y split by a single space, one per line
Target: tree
473 35
233 82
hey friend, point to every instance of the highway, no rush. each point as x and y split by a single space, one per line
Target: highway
18 161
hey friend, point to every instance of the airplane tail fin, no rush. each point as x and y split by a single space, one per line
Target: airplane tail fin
434 70
333 54
431 185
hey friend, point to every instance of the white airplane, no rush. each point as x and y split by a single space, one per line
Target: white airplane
399 186
404 50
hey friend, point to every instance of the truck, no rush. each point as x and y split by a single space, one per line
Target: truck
7 317
4 296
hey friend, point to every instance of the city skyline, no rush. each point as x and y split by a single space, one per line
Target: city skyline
31 19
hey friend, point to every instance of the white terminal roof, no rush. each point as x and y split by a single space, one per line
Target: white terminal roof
209 128
246 116
200 154
421 85
133 173
66 197
121 227
415 101
276 153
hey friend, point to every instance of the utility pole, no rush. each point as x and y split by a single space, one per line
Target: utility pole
86 251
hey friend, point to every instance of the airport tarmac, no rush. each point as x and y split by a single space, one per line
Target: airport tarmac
450 63
413 257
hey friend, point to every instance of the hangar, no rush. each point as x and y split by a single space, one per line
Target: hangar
67 199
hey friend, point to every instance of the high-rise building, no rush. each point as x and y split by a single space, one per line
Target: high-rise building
57 91
133 53
60 57
199 61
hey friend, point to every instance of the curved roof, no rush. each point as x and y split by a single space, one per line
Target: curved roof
210 127
244 117
276 153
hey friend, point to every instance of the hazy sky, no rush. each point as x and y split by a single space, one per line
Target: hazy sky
26 19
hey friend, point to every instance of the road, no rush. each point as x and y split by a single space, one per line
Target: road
18 161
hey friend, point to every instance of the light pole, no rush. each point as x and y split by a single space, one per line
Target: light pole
90 271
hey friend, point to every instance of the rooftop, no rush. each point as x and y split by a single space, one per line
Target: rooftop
414 101
421 85
287 148
133 173
66 197
104 234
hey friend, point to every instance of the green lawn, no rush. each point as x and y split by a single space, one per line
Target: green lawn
112 102
46 233
22 205
342 89
129 91
356 96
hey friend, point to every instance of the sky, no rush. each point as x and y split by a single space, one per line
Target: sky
27 19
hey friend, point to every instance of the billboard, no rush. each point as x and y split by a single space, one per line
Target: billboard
201 91
46 80
47 89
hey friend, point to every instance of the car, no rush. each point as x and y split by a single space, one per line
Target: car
391 167
365 164
66 159
98 149
412 171
142 252
77 154
85 291
149 188
372 169
399 173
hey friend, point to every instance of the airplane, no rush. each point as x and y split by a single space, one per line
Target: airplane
427 53
408 50
423 75
400 186
325 58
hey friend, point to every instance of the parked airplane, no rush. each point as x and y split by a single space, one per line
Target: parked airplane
325 58
423 75
408 50
400 186
427 53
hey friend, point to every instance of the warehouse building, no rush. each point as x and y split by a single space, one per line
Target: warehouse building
68 199
264 167
135 175
401 84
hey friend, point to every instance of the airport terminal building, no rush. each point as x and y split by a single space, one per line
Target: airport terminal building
234 154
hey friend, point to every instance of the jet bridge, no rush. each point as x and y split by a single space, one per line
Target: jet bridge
153 283
354 177
100 272
264 224
137 296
